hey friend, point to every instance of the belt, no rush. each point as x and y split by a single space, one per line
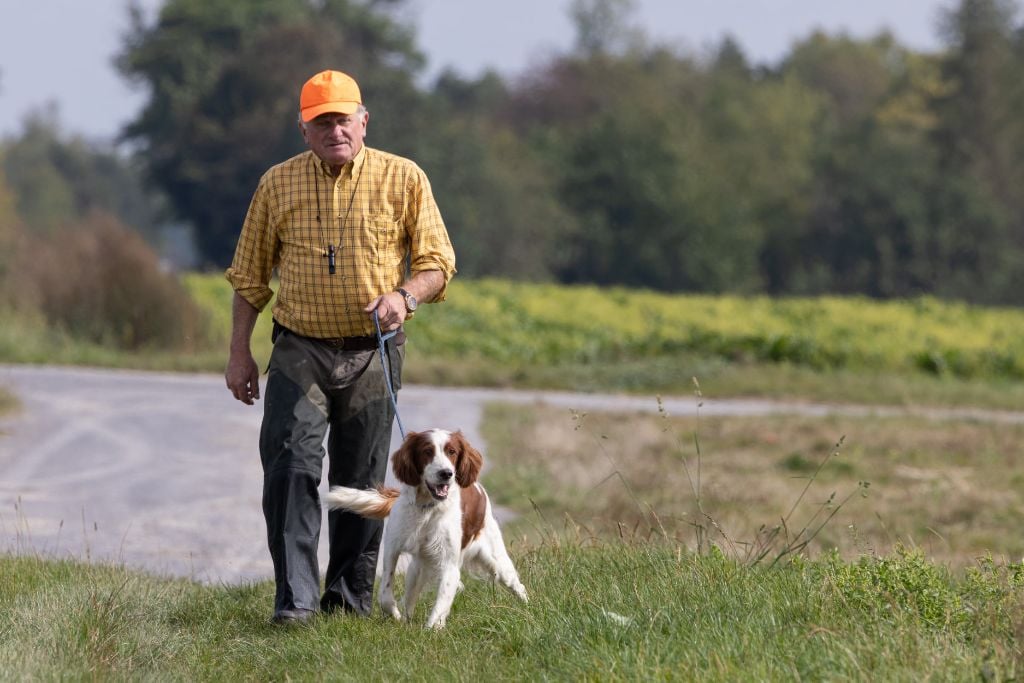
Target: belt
355 343
345 343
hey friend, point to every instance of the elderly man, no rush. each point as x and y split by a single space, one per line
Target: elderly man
351 231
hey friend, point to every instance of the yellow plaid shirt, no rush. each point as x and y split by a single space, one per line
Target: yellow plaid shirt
379 214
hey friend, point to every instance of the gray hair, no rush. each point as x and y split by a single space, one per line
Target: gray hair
360 110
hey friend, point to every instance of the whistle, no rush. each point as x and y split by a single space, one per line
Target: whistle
330 258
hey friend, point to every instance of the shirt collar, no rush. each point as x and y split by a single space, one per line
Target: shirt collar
350 170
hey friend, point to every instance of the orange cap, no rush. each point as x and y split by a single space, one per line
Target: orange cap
329 91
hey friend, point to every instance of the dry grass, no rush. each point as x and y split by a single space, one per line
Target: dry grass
952 489
8 401
8 404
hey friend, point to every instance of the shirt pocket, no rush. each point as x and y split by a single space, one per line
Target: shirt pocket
384 237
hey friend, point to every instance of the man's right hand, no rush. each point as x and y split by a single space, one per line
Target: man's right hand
243 377
242 374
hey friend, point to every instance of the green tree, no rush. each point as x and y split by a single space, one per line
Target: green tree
980 131
12 238
888 223
656 206
829 244
678 171
853 75
43 198
495 192
56 179
889 215
981 127
224 79
604 27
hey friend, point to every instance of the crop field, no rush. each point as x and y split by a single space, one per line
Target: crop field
508 334
499 333
547 324
514 322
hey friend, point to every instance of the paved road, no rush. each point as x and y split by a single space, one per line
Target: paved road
160 471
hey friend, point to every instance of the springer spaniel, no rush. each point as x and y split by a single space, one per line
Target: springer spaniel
442 524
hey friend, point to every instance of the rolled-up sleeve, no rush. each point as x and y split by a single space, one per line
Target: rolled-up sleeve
430 248
255 254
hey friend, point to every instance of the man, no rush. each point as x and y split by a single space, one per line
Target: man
351 231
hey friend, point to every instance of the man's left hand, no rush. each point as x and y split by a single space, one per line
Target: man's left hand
390 310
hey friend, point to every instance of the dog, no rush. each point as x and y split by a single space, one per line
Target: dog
441 516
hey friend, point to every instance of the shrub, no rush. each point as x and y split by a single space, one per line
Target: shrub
12 237
903 582
99 281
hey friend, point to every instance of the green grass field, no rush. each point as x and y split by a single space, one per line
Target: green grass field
598 611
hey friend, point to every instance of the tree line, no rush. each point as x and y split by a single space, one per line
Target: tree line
852 166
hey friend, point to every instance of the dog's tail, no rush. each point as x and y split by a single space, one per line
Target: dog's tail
372 503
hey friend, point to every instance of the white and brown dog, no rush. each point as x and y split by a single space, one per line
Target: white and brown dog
440 516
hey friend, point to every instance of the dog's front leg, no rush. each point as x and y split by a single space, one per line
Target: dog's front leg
415 575
387 579
446 591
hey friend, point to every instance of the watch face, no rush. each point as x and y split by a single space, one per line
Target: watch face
410 300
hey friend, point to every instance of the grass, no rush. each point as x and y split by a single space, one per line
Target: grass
8 402
919 580
598 611
28 339
638 553
673 376
951 489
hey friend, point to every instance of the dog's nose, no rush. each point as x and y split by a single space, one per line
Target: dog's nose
445 475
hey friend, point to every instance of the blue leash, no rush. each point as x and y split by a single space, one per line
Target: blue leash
381 338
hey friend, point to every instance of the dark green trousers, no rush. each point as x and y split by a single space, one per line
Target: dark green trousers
314 391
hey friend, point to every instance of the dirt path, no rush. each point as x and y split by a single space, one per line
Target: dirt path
160 471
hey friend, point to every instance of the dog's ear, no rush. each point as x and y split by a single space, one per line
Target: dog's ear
404 461
468 463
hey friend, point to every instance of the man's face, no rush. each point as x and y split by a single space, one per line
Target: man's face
336 138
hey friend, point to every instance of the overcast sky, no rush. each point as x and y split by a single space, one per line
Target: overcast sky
60 51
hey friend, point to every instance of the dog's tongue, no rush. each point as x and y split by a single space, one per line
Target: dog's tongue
442 491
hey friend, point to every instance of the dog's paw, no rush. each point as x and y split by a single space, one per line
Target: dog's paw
390 608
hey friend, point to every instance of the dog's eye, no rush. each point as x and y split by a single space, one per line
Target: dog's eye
450 451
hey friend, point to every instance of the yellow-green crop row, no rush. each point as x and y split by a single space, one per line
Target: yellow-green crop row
551 324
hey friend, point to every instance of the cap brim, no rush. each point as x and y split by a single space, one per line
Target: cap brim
310 113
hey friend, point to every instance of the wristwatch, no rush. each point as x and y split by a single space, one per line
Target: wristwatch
410 301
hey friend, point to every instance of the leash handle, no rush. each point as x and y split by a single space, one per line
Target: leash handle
381 338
